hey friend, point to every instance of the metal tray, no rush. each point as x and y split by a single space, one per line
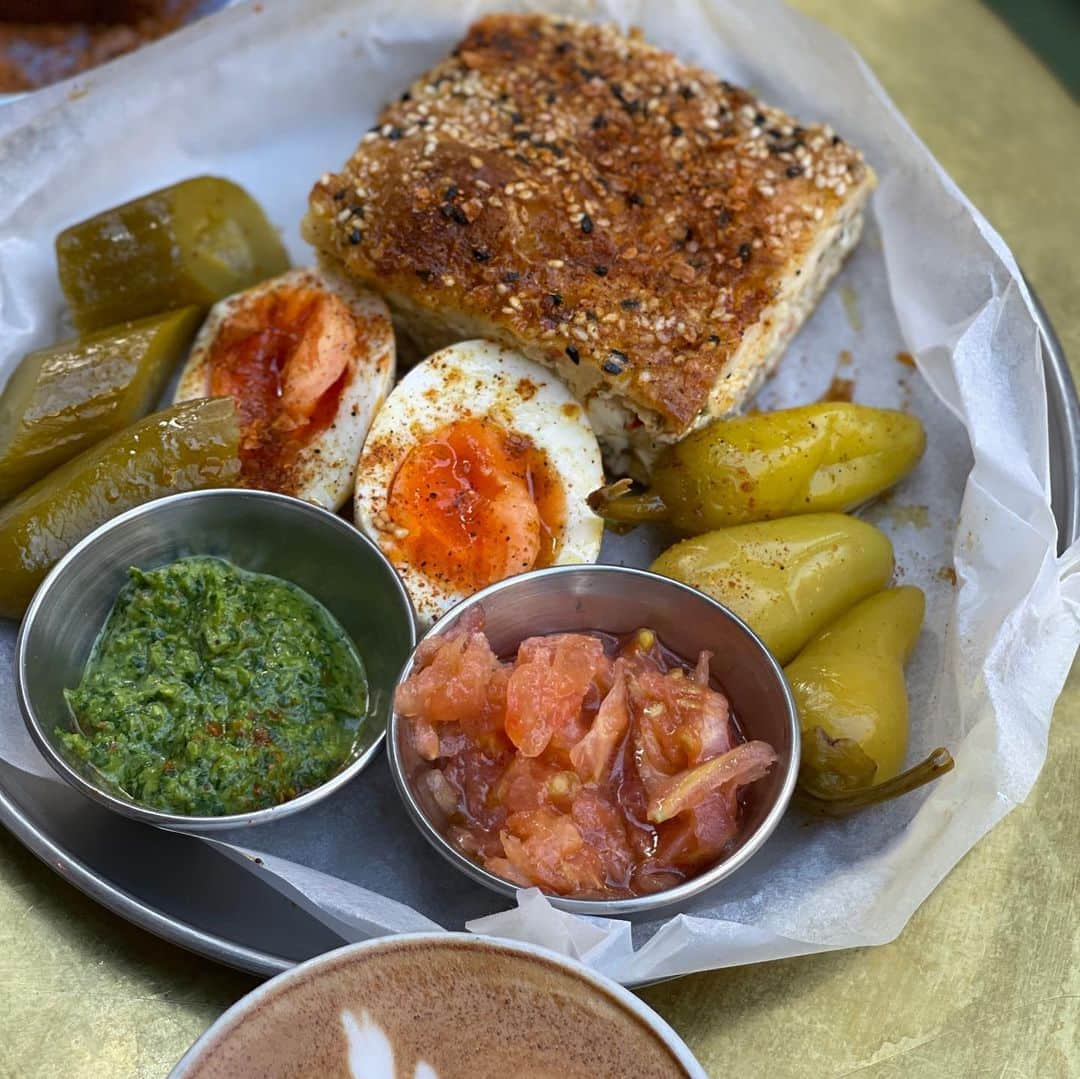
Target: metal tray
155 879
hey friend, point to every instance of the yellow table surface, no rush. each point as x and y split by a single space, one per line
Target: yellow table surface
985 980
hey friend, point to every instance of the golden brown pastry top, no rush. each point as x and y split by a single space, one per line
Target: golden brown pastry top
590 194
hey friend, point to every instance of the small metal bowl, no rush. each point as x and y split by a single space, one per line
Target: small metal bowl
618 600
256 530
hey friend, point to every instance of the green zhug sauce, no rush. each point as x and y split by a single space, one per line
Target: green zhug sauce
212 690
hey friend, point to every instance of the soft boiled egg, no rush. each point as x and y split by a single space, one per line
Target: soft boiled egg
477 468
309 359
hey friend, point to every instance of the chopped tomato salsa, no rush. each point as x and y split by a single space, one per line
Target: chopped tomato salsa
588 765
475 504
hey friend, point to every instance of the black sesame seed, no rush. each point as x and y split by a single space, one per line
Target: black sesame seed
590 316
394 134
339 195
519 156
450 193
744 252
555 298
374 127
635 199
794 170
356 210
599 120
562 48
798 130
629 305
575 356
676 130
713 339
723 218
481 255
586 224
551 98
614 366
759 119
775 132
511 277
516 118
457 215
689 234
836 140
424 275
633 107
686 93
355 236
405 96
600 271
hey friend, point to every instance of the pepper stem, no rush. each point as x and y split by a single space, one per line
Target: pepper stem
614 503
937 764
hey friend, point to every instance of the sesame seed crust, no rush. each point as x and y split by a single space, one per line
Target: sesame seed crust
585 195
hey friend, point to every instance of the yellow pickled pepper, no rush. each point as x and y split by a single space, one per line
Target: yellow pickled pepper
848 685
787 579
824 457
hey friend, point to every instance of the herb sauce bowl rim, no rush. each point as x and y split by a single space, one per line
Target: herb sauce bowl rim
322 518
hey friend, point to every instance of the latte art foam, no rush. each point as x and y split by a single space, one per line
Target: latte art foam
436 1008
371 1056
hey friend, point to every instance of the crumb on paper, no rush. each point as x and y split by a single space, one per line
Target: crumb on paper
851 307
904 516
845 358
906 359
947 574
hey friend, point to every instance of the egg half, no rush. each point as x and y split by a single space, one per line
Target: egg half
308 358
478 467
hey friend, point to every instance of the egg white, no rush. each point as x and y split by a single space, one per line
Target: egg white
474 380
325 467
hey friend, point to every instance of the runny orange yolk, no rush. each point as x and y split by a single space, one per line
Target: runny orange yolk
285 356
476 503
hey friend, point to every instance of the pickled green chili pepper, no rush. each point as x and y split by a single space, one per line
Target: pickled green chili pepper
818 458
63 399
848 684
192 243
184 448
787 579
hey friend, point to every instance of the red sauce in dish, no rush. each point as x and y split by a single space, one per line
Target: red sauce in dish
587 765
477 503
284 356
